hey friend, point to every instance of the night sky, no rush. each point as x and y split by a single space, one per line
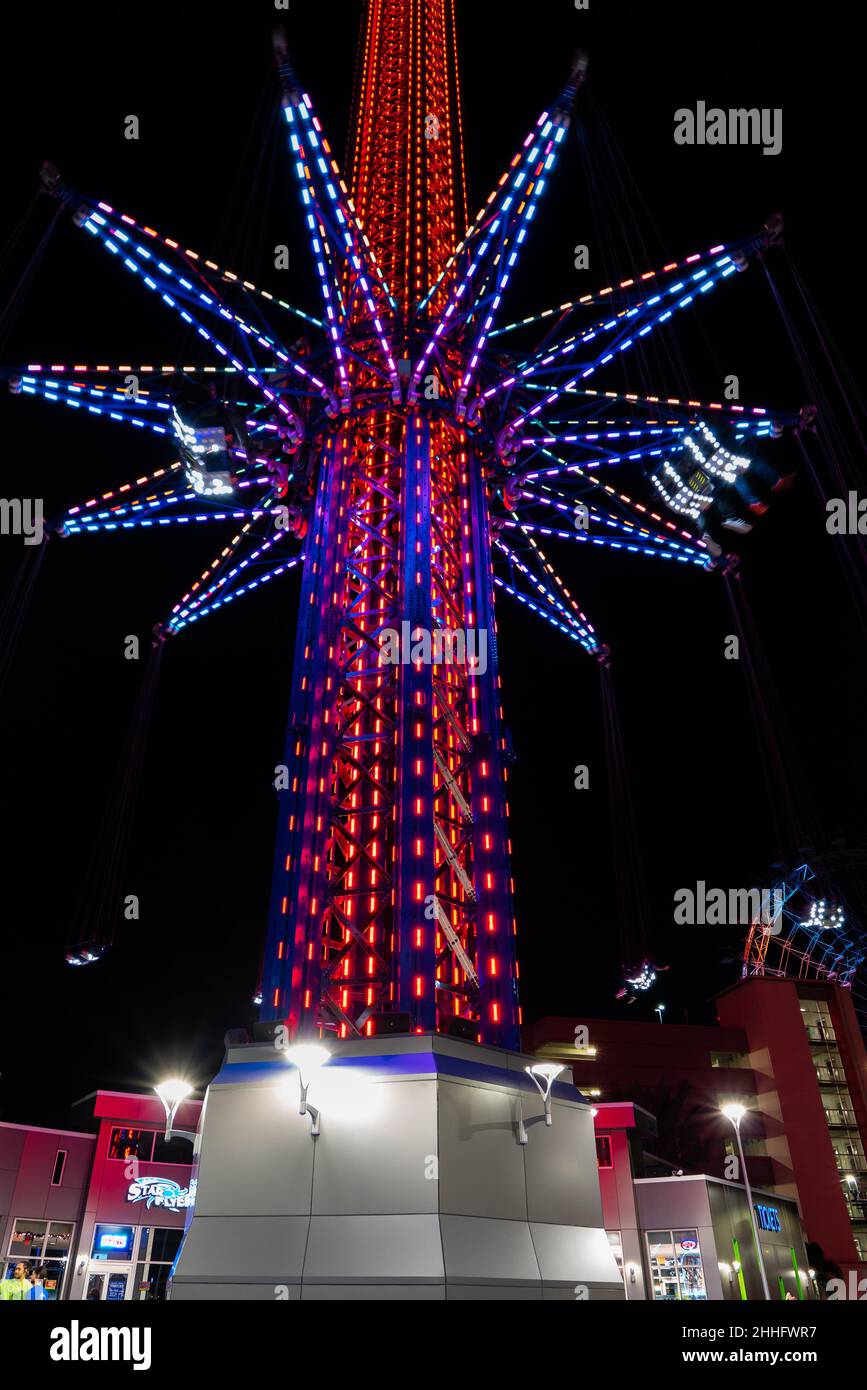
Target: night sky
211 167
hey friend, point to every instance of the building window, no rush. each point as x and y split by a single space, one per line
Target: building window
132 1143
729 1059
59 1165
174 1150
157 1249
40 1245
112 1242
676 1270
603 1151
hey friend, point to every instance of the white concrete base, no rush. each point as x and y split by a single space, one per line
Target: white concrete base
416 1188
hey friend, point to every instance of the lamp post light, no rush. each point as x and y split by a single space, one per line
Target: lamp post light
543 1075
309 1058
735 1113
660 1010
173 1093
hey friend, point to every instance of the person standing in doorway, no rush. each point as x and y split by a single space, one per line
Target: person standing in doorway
17 1288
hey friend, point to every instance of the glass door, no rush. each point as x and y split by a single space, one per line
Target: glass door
109 1285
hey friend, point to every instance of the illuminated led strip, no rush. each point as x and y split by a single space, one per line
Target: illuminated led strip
353 220
612 543
334 321
321 159
127 487
75 397
710 283
479 222
229 276
459 114
189 600
526 159
609 519
77 390
612 492
540 362
510 254
549 568
212 305
64 395
595 436
580 624
606 460
702 278
670 400
151 523
559 501
146 369
635 425
172 497
205 333
598 295
184 607
543 613
236 593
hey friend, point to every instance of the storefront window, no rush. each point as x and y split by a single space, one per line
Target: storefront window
603 1151
28 1238
156 1253
689 1266
42 1245
132 1143
58 1241
676 1270
112 1242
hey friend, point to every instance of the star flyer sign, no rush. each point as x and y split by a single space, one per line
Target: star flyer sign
162 1192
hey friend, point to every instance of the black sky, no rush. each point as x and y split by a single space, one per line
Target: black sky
210 167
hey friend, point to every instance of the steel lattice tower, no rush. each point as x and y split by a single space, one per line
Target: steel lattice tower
394 451
392 889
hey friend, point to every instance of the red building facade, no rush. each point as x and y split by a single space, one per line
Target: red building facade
102 1214
790 1052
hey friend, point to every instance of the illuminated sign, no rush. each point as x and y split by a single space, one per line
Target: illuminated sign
112 1243
769 1218
162 1192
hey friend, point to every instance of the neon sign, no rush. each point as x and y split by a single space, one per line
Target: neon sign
769 1218
162 1192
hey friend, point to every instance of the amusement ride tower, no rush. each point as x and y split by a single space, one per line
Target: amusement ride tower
395 453
402 445
392 891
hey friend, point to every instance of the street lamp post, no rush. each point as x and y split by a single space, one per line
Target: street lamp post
735 1113
172 1094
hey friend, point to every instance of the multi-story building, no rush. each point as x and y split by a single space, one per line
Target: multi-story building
791 1052
103 1214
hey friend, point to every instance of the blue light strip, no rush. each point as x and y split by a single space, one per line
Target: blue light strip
508 258
348 231
585 630
236 593
529 603
110 242
704 279
186 290
662 550
513 185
